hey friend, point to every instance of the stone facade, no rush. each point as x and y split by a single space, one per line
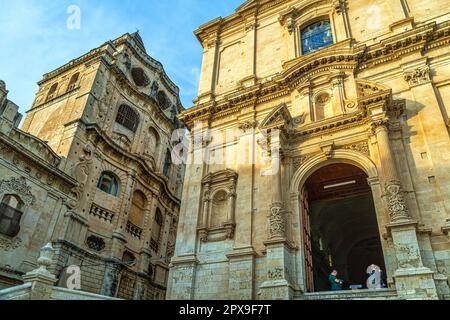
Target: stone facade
108 192
377 98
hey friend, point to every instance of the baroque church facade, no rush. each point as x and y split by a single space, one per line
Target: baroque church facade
91 172
351 102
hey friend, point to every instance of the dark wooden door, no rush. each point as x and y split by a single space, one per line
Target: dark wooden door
309 276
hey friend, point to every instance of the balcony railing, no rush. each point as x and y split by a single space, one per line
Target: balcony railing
101 213
134 230
154 245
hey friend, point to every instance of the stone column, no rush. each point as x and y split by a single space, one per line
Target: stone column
412 279
293 35
183 266
341 18
279 281
250 74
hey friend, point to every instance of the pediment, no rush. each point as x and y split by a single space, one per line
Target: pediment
339 57
278 118
246 5
366 88
220 176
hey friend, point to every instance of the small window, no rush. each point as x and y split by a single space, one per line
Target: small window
156 230
10 215
52 91
316 36
167 164
108 183
139 77
128 118
73 81
163 101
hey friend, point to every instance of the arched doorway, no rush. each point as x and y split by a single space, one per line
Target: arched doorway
340 228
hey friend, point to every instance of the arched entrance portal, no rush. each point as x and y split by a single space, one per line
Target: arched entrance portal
340 228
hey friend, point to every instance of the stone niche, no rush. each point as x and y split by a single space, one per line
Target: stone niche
219 204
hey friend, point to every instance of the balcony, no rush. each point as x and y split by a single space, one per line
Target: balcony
134 230
101 213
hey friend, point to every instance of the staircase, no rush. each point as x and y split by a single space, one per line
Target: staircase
382 294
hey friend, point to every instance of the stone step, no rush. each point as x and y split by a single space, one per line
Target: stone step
383 294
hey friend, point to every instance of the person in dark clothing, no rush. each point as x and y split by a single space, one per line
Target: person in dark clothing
335 283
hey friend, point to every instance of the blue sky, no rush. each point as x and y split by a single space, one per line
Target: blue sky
34 38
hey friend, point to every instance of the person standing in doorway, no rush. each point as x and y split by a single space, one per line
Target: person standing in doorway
335 283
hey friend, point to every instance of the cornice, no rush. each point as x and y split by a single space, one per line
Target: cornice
37 159
341 56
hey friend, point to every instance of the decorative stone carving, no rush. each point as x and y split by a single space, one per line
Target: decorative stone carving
9 244
172 238
298 161
361 147
275 274
95 243
277 223
122 140
19 187
155 89
219 205
398 209
417 76
248 125
339 6
81 173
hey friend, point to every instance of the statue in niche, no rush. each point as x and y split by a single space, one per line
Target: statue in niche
155 89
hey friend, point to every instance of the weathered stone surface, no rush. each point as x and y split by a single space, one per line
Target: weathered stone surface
376 99
75 133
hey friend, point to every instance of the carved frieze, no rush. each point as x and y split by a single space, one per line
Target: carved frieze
9 244
18 186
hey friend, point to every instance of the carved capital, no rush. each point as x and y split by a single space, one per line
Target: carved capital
398 210
417 76
247 125
379 125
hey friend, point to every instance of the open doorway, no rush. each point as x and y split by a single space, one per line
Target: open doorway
340 228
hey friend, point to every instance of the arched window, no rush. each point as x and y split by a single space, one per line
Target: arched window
138 205
128 118
73 81
153 142
10 215
108 183
167 164
156 230
52 91
163 101
139 77
316 36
